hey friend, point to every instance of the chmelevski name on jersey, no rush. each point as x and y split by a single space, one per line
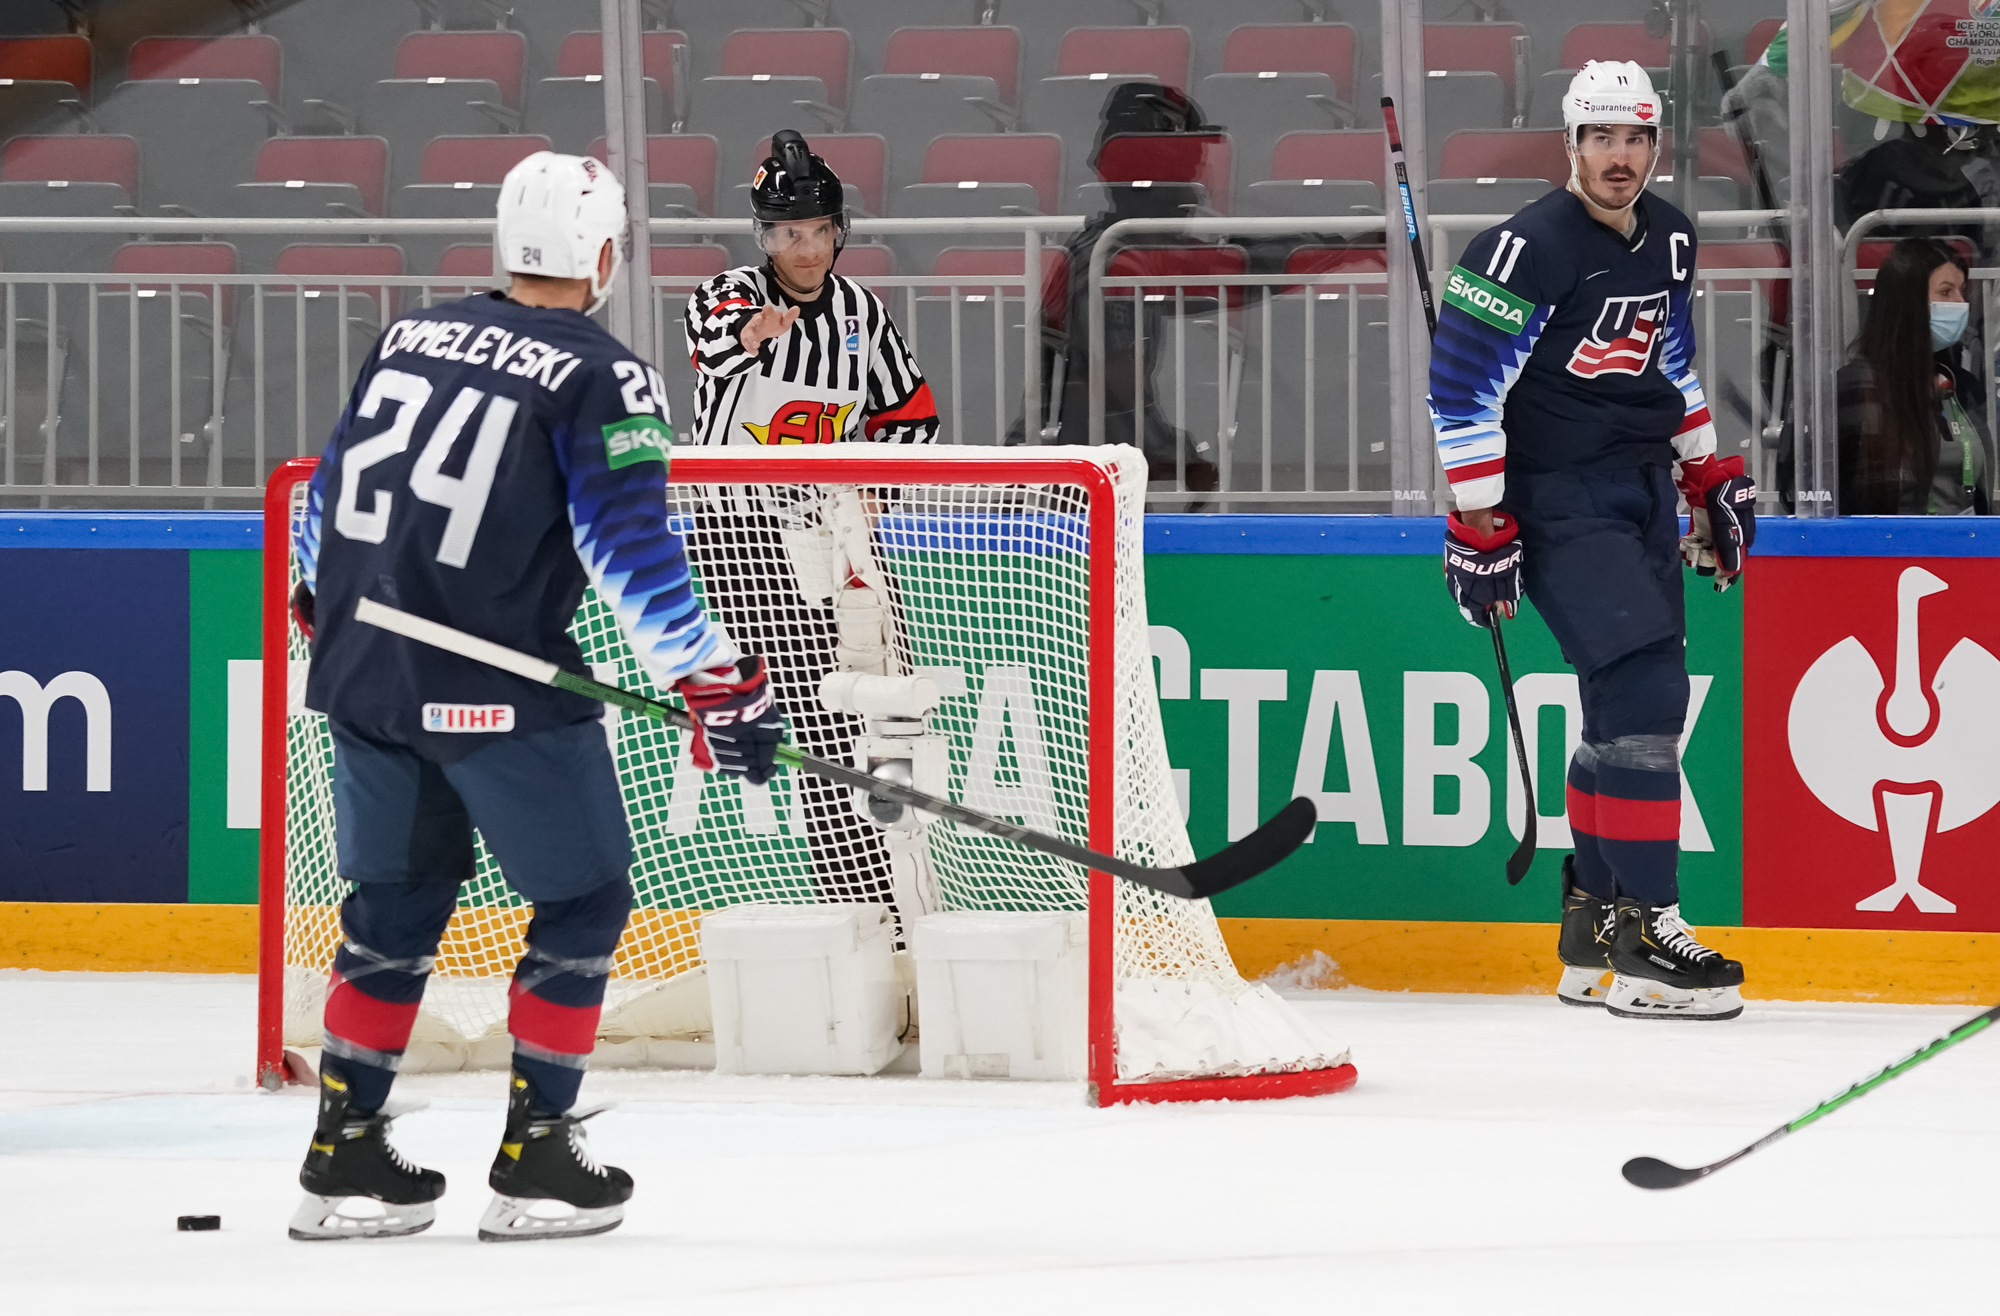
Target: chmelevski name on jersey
1563 346
493 459
841 372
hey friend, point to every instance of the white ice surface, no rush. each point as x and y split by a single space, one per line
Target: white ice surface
1474 1170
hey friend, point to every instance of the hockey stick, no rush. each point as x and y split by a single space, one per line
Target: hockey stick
1648 1172
1228 867
1524 853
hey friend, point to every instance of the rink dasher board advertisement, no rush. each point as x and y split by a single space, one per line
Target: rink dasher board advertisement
1294 655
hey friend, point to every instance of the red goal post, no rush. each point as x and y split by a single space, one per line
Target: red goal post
1088 480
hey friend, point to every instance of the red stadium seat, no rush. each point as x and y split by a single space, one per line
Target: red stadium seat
582 56
861 160
697 260
1760 37
678 158
1718 155
958 263
1164 53
989 52
1032 158
867 260
1472 48
1203 158
362 161
817 52
1180 265
477 159
259 58
500 56
1333 153
73 159
465 260
174 258
1588 41
1759 255
48 59
1337 260
1506 153
1294 48
345 263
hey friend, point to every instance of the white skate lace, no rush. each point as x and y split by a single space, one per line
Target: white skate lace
403 1164
1677 936
581 1149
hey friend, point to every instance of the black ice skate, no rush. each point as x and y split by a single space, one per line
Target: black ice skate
357 1185
548 1183
1662 972
1584 945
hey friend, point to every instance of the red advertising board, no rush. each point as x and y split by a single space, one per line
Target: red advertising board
1871 742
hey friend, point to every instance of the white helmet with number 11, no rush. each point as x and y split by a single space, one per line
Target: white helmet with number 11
1610 91
556 212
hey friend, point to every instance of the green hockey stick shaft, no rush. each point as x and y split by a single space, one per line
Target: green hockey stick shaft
1236 864
1648 1172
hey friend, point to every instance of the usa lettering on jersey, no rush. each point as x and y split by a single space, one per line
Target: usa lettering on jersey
1623 340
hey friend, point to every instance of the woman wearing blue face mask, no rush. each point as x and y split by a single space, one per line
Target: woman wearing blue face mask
1911 442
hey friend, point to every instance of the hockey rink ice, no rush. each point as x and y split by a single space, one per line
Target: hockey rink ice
1474 1169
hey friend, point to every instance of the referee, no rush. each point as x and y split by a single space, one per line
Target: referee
791 353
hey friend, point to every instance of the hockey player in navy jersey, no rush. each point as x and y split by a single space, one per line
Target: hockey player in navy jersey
497 454
1567 413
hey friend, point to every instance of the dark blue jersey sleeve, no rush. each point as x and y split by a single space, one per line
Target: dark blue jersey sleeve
613 454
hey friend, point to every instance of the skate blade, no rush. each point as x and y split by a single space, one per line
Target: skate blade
1584 987
320 1219
1642 998
522 1219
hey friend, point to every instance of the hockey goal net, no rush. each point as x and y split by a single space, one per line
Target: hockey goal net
1015 578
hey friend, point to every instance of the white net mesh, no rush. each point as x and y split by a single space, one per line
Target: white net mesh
990 593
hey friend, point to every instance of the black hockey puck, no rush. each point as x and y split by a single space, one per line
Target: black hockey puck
194 1224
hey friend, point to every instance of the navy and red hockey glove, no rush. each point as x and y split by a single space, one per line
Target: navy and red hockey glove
1483 572
1722 517
737 724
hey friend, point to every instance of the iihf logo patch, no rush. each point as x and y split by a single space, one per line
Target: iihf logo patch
1622 341
853 334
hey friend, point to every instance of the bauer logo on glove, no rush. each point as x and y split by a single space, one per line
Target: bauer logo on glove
1483 571
1722 517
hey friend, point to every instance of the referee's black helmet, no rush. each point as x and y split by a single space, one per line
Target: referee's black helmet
794 184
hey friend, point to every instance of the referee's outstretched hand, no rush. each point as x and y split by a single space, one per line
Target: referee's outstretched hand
768 323
737 724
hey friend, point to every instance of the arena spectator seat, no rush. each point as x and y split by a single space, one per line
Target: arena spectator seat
459 178
445 84
681 167
821 52
1259 108
1181 269
710 23
96 175
1293 48
695 260
1501 49
314 177
1505 153
984 173
867 260
1165 54
257 57
1327 172
202 108
989 52
739 112
332 266
909 109
1146 160
568 108
463 260
48 59
1588 41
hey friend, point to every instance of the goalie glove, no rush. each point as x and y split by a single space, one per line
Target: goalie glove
1722 517
302 609
737 725
1483 572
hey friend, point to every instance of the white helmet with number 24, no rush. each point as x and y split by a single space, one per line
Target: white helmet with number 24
556 211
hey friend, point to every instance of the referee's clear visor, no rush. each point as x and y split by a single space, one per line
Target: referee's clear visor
777 237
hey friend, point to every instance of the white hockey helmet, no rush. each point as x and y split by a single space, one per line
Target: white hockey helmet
556 211
1611 91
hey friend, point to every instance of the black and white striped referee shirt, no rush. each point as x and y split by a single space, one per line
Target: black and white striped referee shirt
841 372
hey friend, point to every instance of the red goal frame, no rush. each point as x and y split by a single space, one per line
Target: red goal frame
870 468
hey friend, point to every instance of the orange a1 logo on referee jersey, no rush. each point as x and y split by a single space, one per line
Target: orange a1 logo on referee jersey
802 422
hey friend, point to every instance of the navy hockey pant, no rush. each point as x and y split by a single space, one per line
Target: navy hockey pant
1602 565
548 806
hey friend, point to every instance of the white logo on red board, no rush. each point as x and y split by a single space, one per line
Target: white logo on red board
1897 757
1622 340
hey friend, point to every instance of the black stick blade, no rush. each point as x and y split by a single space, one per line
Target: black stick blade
1647 1172
1524 853
1262 849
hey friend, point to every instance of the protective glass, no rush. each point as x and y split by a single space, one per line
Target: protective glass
783 236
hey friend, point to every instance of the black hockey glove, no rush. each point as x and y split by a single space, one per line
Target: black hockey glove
1483 572
302 610
1722 517
737 725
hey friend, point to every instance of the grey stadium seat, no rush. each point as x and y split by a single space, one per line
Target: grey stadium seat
412 111
570 111
1342 323
1460 99
1073 107
35 105
1259 108
1313 196
741 112
909 109
53 252
200 136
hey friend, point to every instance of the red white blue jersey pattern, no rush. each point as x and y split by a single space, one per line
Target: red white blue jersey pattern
1563 346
